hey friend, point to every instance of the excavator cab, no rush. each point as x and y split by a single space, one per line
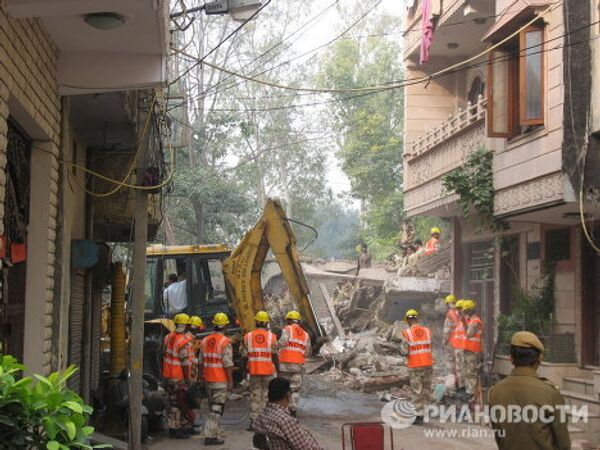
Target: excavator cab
182 278
186 278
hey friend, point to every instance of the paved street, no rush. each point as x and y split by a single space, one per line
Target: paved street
325 410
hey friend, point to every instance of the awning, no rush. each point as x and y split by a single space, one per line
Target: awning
514 16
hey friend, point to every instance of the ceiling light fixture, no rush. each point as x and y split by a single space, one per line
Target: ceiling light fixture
104 20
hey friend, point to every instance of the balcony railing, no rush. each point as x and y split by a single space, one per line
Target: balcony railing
455 124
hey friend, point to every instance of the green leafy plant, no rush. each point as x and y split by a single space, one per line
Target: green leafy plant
41 414
474 184
530 311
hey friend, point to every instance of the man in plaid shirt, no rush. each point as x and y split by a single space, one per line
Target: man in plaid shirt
276 423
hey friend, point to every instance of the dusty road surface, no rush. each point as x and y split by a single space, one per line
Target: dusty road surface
323 411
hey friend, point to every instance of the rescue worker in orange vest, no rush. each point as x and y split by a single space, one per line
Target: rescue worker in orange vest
258 349
433 245
294 348
450 323
419 358
196 390
216 364
176 371
472 348
457 342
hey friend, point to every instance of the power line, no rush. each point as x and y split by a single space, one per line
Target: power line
214 49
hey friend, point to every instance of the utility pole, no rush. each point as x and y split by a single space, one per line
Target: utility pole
136 338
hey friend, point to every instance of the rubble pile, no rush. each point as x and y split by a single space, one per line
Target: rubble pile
365 361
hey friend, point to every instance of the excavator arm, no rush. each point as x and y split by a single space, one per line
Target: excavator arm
242 270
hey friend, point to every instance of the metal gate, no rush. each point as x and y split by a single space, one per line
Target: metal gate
76 327
480 287
16 219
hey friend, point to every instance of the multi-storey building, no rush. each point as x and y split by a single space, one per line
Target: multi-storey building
520 78
76 84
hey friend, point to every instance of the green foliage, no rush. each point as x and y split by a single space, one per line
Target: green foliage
43 414
339 232
371 128
531 311
474 183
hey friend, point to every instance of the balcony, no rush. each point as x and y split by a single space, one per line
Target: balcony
440 150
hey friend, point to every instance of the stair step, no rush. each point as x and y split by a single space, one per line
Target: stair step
578 399
582 385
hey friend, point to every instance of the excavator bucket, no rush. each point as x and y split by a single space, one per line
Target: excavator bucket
242 270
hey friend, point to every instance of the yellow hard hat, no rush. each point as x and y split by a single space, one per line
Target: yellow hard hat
450 299
459 304
468 305
181 319
436 230
262 316
293 315
220 319
411 313
196 321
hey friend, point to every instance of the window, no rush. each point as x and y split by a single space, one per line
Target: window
516 85
558 245
477 88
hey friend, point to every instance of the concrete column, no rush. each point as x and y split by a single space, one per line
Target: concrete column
38 310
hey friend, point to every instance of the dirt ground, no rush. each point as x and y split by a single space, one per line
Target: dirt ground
325 408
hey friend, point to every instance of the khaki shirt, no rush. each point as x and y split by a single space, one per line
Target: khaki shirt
524 387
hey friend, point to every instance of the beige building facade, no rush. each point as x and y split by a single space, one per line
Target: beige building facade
72 97
518 78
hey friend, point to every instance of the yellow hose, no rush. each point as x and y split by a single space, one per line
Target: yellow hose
118 349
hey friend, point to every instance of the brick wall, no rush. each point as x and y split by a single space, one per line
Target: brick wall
28 92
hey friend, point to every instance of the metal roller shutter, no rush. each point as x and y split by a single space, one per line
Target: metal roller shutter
76 327
95 344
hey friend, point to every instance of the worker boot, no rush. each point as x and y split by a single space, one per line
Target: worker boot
213 441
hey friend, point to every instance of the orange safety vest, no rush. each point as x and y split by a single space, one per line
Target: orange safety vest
173 365
457 337
419 346
259 344
473 344
432 246
295 349
213 348
453 316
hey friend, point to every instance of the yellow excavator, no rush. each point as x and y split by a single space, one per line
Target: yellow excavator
211 279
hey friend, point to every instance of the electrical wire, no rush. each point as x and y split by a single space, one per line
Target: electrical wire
313 229
214 49
317 48
380 86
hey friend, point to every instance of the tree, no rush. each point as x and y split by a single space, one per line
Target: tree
370 144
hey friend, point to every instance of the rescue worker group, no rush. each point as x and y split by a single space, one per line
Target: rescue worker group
195 368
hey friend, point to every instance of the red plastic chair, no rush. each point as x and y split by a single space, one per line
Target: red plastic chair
366 436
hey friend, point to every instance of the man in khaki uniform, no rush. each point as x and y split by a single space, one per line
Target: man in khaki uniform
472 348
216 363
417 347
523 387
450 323
294 347
258 348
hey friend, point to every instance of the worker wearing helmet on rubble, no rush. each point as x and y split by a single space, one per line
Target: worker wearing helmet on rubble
417 347
258 349
433 244
472 348
176 371
451 322
294 347
216 362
